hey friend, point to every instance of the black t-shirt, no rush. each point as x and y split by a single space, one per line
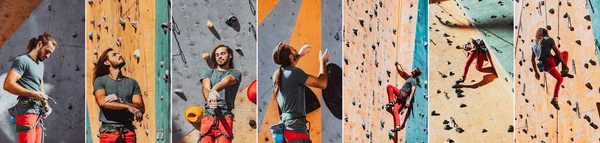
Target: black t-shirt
547 43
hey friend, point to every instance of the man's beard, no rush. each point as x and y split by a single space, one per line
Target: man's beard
118 65
40 57
224 63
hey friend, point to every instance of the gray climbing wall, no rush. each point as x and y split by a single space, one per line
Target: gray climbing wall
195 39
64 71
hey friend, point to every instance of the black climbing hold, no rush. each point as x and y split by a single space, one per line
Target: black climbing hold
447 127
587 17
239 51
585 65
551 11
592 62
231 20
445 122
355 31
588 85
546 134
493 16
548 27
433 113
578 42
511 128
361 21
252 123
463 105
394 30
460 130
410 17
551 116
525 131
484 131
347 44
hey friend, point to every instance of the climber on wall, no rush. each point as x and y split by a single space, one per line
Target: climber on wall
477 51
25 79
546 62
402 99
289 82
219 87
119 98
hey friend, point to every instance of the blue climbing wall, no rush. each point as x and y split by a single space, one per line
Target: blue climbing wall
595 17
497 32
417 120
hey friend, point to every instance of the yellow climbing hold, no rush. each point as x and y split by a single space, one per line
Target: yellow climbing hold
194 114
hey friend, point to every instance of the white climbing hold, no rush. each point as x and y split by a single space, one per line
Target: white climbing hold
136 53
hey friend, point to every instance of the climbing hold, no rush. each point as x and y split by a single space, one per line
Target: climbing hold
252 123
347 44
388 72
548 27
366 10
578 42
93 22
346 60
373 46
98 36
91 2
587 17
463 105
592 62
359 105
460 130
551 10
433 113
194 114
379 81
209 24
361 21
390 134
91 35
370 28
588 85
239 51
394 30
346 118
484 130
368 135
393 43
445 122
134 24
410 17
355 30
353 102
231 20
375 12
119 42
252 92
377 42
447 127
205 56
511 128
122 21
364 125
382 123
136 53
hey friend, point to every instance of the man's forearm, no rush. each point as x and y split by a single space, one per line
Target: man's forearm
115 106
15 89
135 105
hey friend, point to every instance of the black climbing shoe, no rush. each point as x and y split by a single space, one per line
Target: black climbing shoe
555 104
567 75
461 80
395 129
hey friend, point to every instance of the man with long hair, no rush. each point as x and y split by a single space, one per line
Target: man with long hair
289 82
26 80
219 87
402 98
547 62
119 98
477 51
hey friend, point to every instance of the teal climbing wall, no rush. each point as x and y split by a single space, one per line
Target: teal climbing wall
496 27
88 127
417 121
163 67
595 17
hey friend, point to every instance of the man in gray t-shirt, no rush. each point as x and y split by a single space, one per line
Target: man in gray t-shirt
219 87
290 82
26 80
119 98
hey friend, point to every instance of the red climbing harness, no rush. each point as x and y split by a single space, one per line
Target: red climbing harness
216 129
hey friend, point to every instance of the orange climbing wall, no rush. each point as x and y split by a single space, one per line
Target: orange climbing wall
14 13
244 112
534 114
488 98
364 87
141 38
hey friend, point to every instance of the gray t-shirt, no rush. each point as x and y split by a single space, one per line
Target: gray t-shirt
547 44
227 97
124 88
410 82
31 72
290 96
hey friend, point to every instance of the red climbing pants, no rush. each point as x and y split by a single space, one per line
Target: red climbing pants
550 65
33 135
219 134
294 136
399 98
472 56
106 137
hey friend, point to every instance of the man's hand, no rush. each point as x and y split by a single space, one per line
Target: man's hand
407 104
136 113
111 98
325 56
39 96
213 96
48 111
304 50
